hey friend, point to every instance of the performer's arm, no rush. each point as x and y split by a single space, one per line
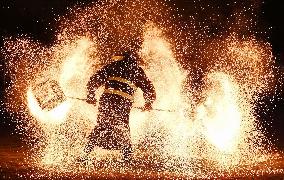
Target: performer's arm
147 87
98 79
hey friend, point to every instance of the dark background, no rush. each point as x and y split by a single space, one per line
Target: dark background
36 19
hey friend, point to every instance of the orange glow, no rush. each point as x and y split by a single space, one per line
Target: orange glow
55 116
219 132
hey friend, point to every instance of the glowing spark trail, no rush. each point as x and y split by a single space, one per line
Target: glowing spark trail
214 135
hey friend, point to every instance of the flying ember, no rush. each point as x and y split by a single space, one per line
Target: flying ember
199 127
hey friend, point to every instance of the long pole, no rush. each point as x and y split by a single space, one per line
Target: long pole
156 109
141 108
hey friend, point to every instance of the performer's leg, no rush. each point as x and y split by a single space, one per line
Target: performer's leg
89 147
92 140
127 152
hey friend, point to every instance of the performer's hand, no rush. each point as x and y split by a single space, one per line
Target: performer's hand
91 100
147 107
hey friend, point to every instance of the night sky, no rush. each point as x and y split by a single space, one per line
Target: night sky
36 18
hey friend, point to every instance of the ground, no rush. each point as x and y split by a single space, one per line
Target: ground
14 164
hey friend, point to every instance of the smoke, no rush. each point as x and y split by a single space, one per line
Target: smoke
209 80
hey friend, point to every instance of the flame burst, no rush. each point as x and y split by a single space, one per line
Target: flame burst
216 135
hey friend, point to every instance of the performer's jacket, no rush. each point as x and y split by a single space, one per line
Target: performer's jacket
121 78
